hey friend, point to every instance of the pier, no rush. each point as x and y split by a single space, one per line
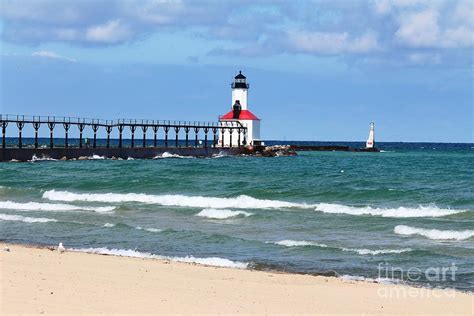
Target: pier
200 138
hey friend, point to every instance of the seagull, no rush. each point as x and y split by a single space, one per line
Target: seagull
61 248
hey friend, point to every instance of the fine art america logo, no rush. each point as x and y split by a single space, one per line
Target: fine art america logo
390 273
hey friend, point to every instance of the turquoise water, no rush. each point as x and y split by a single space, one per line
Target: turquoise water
332 213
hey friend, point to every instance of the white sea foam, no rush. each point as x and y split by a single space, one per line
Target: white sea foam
34 158
245 202
170 155
118 252
96 157
299 243
304 243
421 211
221 214
434 233
221 154
351 278
151 230
212 261
240 202
25 219
108 225
35 206
348 278
376 252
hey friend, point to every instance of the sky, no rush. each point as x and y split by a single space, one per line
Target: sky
318 70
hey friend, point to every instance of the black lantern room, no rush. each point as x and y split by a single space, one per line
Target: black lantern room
240 82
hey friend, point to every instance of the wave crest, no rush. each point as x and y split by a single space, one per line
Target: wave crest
151 230
25 219
376 252
401 212
240 202
221 213
211 261
170 155
304 243
34 158
245 202
434 234
299 243
34 206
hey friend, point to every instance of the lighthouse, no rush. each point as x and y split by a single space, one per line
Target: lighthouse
371 141
239 113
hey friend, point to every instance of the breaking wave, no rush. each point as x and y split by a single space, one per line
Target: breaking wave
169 155
108 225
221 154
299 243
221 214
25 219
34 206
34 158
434 234
351 278
376 252
151 230
212 261
304 243
245 202
240 202
421 211
96 157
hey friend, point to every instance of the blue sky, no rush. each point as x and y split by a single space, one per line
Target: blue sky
318 70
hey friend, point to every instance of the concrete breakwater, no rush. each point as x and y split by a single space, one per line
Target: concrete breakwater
32 154
29 154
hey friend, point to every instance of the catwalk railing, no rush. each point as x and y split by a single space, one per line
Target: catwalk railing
227 129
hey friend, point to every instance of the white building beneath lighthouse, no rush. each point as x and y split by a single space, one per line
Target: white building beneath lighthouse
240 113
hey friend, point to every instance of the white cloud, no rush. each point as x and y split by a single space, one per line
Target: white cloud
331 43
458 37
464 13
52 55
419 29
109 33
396 28
422 29
382 6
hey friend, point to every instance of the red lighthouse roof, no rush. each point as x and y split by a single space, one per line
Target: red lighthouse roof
244 115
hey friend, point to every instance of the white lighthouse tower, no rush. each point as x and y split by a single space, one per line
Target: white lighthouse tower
370 140
240 113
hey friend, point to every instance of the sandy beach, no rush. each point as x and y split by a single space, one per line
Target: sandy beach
41 281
